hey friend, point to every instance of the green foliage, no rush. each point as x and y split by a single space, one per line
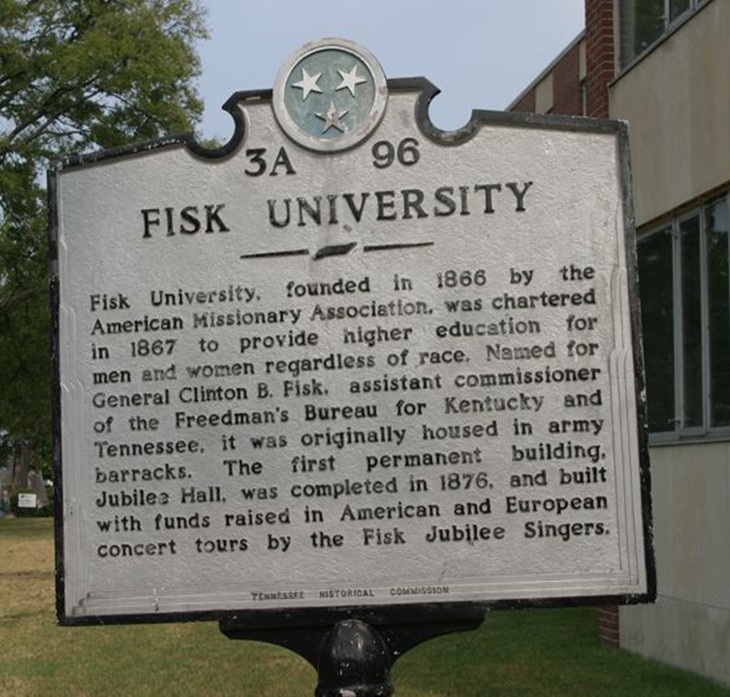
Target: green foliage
75 76
96 73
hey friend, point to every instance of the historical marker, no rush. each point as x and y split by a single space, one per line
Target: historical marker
349 360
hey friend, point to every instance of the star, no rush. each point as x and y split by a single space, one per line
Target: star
308 83
350 80
332 118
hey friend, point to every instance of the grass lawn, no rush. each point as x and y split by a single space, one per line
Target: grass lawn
529 652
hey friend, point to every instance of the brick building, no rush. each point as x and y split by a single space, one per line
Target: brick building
664 66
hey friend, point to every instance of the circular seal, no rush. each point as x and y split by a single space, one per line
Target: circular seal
330 95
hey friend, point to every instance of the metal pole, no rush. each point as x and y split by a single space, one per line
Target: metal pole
354 662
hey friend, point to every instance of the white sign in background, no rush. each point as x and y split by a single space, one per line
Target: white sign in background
401 373
27 500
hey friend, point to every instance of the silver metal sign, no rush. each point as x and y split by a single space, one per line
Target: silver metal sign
349 360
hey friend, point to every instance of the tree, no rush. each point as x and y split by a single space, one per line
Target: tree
75 76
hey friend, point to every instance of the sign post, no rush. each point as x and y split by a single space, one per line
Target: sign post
349 368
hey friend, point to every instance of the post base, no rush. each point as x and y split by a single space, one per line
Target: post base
353 649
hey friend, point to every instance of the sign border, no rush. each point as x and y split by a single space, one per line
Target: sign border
386 613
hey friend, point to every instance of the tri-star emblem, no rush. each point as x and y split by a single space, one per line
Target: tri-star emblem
330 95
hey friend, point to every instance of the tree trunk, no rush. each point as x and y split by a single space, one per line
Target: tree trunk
22 454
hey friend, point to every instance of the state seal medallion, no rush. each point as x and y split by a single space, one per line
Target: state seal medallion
330 95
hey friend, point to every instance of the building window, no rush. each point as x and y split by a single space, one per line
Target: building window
684 276
643 22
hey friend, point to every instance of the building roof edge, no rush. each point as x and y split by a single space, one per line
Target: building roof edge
547 70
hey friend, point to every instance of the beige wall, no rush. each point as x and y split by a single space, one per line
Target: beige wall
690 624
677 103
544 95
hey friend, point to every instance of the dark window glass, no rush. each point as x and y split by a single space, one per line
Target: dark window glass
649 23
684 276
691 322
718 269
677 8
657 298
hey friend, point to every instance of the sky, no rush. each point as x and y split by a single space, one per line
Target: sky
481 54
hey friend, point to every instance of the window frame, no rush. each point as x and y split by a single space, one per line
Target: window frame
625 62
705 431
